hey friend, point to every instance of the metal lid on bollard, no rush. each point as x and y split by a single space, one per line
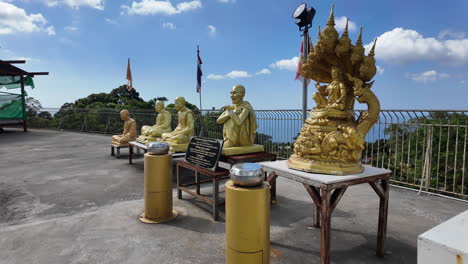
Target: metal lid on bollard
158 148
247 174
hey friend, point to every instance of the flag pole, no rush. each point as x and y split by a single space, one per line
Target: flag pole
305 45
202 125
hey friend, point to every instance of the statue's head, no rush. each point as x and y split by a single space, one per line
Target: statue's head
179 103
237 93
335 73
124 115
159 106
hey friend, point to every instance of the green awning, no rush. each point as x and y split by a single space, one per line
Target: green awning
13 82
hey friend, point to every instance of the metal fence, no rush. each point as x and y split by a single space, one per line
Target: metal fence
425 149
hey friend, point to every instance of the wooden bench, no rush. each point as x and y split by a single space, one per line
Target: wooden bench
216 176
118 147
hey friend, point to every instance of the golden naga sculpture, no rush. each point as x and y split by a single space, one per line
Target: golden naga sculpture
180 137
239 125
331 141
129 133
163 125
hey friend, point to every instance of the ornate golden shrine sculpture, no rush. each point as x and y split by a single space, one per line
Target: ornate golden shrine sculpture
129 133
331 141
239 125
163 125
180 137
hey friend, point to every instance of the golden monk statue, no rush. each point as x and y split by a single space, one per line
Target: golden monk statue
163 125
129 133
180 137
332 140
240 125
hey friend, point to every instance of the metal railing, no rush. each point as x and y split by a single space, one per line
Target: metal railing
425 149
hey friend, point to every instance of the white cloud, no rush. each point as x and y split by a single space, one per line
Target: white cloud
230 75
341 23
111 21
290 65
263 71
212 30
428 76
215 77
238 74
463 82
380 70
71 28
152 7
169 25
450 34
97 4
15 20
227 1
403 45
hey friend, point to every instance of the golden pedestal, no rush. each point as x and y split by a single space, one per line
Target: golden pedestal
229 151
158 189
247 224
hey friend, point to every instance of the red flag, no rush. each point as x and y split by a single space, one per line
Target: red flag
299 64
129 76
199 71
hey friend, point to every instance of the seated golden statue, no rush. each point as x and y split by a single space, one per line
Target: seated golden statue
163 125
239 125
180 137
129 133
336 92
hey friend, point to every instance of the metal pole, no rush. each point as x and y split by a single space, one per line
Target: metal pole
202 127
305 49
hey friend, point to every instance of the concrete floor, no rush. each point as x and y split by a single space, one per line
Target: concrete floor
64 199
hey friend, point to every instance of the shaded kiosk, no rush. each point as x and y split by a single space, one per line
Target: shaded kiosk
13 105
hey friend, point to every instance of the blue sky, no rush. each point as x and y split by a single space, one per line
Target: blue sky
422 51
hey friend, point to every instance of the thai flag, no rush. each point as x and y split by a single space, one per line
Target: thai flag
299 64
199 71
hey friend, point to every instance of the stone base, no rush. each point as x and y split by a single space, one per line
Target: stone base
146 139
229 151
334 168
175 148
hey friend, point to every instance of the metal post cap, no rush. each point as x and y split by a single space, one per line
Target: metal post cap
247 174
158 148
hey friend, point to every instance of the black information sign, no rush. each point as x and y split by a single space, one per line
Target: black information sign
204 152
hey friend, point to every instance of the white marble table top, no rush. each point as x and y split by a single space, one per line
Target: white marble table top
280 167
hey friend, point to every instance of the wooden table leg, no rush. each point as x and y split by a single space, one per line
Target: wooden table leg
179 191
271 179
314 193
215 198
118 152
112 150
383 215
326 228
130 154
197 181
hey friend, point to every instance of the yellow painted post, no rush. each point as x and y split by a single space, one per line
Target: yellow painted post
158 189
247 224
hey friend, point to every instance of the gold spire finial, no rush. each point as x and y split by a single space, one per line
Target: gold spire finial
372 51
345 32
359 40
331 18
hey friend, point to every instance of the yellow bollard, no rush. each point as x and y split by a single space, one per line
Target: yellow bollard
247 224
158 189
